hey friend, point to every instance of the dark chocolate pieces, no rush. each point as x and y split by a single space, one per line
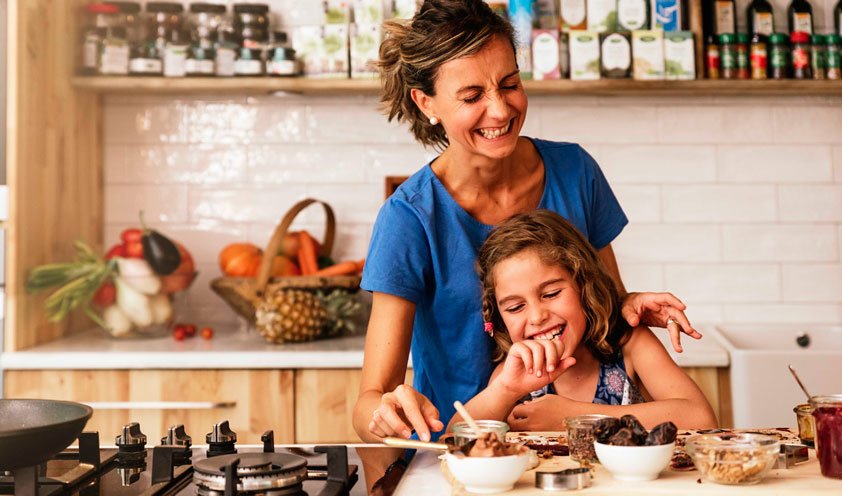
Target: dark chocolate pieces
628 431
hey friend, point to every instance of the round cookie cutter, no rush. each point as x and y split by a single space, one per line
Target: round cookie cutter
563 480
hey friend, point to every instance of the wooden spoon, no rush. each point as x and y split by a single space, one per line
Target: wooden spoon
467 416
400 442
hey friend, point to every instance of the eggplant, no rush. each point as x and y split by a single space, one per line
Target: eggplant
161 253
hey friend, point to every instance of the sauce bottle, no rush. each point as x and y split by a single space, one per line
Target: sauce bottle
800 16
760 18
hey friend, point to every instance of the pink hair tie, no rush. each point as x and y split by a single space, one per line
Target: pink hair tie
489 328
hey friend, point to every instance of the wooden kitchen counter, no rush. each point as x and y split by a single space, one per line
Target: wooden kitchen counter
425 477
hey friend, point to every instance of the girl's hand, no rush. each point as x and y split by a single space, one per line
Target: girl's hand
532 364
659 310
546 413
402 408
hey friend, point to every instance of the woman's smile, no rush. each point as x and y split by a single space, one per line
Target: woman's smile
495 133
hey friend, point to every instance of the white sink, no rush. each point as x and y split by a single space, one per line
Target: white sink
763 391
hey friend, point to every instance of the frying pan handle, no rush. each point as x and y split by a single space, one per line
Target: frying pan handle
160 405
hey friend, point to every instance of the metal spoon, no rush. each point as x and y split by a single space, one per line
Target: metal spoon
794 374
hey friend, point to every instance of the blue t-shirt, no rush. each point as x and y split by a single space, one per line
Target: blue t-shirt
424 248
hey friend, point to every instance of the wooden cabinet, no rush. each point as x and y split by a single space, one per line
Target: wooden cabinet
253 401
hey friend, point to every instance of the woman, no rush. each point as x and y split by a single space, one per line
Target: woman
450 73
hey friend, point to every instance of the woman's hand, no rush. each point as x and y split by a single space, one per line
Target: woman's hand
659 310
532 364
402 408
546 413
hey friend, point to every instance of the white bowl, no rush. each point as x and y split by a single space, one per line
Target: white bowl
634 463
487 475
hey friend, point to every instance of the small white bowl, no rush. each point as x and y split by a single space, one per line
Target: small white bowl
634 463
488 475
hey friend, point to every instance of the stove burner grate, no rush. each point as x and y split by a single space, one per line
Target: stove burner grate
256 473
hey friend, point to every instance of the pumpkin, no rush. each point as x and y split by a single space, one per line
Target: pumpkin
243 260
240 260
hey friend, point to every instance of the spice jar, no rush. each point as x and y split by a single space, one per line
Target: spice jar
165 26
743 69
712 58
833 56
806 423
128 21
101 18
204 20
758 57
778 56
728 56
827 410
801 65
281 61
580 437
251 26
817 56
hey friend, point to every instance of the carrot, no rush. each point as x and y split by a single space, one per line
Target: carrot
339 269
307 258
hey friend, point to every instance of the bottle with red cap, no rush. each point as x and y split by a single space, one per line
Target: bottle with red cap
100 17
801 64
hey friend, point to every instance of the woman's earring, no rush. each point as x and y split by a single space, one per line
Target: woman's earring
434 120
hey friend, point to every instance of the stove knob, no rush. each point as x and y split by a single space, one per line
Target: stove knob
131 438
222 433
176 437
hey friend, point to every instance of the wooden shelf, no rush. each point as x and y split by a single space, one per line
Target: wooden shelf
627 87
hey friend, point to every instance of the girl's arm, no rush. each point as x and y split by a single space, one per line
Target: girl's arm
675 397
386 406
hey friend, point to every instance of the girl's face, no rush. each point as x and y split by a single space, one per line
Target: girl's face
480 101
539 301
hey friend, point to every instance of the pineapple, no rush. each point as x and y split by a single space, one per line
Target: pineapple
342 309
290 315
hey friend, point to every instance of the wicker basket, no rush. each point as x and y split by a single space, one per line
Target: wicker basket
243 293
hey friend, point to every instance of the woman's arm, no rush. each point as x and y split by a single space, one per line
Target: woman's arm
386 406
650 309
675 397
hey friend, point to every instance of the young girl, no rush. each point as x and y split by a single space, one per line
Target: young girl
555 317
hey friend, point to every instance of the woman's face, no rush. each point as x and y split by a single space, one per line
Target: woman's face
480 101
539 301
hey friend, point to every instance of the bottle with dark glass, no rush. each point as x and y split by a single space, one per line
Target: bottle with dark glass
837 17
760 18
800 16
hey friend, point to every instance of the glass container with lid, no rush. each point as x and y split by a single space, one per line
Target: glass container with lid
833 56
281 60
204 21
827 410
778 56
728 56
802 67
101 19
817 56
251 23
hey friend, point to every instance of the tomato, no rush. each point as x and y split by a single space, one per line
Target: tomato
207 333
179 333
190 330
105 295
131 235
115 251
134 250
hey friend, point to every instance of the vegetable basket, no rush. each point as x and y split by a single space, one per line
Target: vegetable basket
245 294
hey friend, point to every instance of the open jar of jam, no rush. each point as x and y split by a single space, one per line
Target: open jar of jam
827 410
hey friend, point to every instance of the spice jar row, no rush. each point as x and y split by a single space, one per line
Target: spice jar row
778 56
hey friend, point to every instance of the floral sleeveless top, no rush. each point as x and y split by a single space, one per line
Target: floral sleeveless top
613 387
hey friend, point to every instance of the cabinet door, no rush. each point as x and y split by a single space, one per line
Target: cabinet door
714 383
324 404
253 401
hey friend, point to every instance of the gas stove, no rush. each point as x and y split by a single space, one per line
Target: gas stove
177 467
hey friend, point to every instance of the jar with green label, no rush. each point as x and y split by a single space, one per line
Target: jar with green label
833 56
728 56
817 56
778 56
743 68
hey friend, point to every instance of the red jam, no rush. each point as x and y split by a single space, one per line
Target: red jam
829 440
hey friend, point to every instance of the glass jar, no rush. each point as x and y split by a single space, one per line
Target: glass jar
833 56
204 21
758 57
251 23
827 411
226 49
281 58
165 27
101 18
817 56
742 48
463 433
712 59
802 67
580 437
728 56
806 423
127 32
778 56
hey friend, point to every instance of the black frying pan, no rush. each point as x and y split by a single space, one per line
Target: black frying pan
32 431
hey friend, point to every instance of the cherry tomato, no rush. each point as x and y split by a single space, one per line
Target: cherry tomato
207 333
190 330
105 295
178 333
134 250
115 251
131 235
